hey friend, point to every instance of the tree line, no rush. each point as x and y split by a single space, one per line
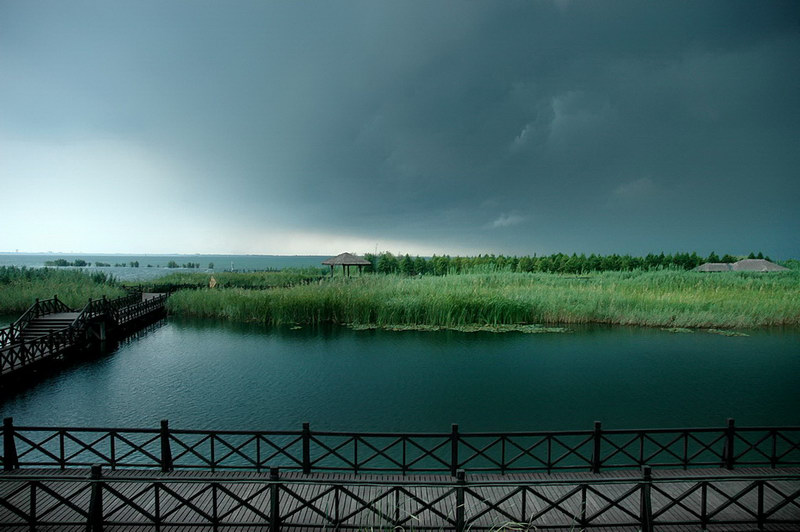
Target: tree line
386 262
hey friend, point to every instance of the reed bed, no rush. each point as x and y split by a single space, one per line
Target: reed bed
19 287
255 280
667 298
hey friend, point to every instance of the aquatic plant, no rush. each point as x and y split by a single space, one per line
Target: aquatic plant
19 287
666 298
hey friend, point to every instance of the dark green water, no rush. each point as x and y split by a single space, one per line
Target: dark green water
201 374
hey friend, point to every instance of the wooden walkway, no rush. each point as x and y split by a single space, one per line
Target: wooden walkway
673 500
49 329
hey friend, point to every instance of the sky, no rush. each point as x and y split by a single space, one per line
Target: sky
422 127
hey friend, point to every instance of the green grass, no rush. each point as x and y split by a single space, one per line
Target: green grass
255 280
19 287
666 298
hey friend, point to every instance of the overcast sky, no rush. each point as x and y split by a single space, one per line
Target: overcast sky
412 126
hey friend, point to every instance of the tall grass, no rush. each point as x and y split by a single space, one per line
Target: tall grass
655 298
255 280
19 287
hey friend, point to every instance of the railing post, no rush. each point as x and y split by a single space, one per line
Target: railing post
703 504
10 458
454 449
166 451
32 512
596 439
645 506
461 480
306 449
730 433
95 523
274 508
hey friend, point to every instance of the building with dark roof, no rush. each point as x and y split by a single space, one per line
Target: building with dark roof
744 265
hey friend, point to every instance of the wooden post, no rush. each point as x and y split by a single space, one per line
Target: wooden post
166 451
306 449
10 458
597 439
214 507
703 504
32 512
454 449
730 433
461 480
582 520
95 523
274 508
645 505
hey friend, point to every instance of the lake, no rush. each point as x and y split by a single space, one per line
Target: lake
206 374
154 266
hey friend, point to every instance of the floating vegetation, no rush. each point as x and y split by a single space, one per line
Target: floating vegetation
723 332
677 330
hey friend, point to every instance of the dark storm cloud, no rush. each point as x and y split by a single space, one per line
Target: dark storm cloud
517 126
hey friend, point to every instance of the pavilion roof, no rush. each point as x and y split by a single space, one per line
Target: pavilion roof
346 259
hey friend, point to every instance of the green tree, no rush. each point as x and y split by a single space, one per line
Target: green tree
712 257
407 265
420 265
387 263
373 263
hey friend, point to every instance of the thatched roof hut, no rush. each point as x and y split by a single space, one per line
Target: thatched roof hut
757 265
744 265
714 267
346 260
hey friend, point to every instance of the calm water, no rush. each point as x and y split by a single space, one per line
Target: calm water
202 374
154 266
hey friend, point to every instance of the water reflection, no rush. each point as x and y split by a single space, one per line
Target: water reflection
203 374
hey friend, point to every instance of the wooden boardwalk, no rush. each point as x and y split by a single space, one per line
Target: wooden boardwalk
674 500
49 329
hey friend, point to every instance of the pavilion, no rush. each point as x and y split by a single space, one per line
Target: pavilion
346 260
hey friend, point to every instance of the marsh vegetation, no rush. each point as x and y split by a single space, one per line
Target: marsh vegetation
481 298
666 298
19 287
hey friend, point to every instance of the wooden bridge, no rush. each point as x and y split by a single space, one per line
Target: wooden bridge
50 330
727 478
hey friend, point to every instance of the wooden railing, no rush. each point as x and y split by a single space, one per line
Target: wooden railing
40 308
122 314
599 449
15 352
273 502
9 335
20 354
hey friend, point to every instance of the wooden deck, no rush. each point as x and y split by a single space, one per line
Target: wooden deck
710 499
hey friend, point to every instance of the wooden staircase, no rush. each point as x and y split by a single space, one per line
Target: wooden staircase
49 323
